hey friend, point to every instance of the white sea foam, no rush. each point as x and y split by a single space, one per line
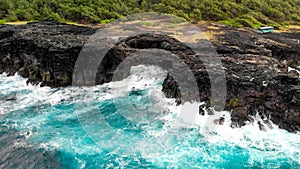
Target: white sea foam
294 69
28 95
181 124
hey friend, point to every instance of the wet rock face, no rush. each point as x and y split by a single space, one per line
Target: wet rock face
42 52
171 88
256 65
144 44
258 80
257 77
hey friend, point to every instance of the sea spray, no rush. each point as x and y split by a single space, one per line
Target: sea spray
166 136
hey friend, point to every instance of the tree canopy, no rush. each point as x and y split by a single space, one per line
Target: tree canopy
252 13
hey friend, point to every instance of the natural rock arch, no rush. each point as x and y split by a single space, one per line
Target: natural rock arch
147 43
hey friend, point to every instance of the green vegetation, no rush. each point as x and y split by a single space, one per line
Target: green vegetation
251 13
147 23
234 102
177 20
2 22
231 22
106 21
171 27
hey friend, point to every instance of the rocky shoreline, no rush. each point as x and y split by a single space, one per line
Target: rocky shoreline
257 66
258 76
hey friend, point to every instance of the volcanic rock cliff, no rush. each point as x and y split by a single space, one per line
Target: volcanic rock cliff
261 70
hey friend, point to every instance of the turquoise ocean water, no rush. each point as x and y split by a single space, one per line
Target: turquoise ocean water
127 124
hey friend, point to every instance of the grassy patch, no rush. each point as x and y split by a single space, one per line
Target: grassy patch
177 20
122 18
284 23
17 23
231 22
105 21
249 21
2 22
147 23
245 20
246 23
261 18
265 21
171 26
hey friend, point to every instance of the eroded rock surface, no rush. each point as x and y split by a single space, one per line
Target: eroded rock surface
258 79
257 76
42 52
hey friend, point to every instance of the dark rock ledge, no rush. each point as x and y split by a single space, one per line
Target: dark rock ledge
256 65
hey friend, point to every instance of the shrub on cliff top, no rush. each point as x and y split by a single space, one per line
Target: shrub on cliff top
247 12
